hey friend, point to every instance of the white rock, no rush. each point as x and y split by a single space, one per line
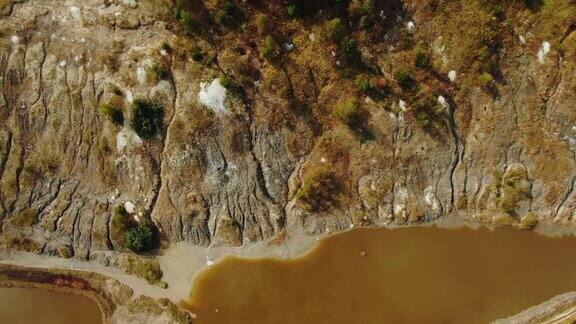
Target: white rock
213 96
402 104
442 101
323 160
163 52
129 96
522 39
209 262
130 3
62 64
15 39
130 207
75 13
544 49
410 26
452 76
430 198
82 40
312 37
141 75
127 137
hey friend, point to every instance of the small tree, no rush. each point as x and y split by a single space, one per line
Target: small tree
335 29
140 238
146 118
350 51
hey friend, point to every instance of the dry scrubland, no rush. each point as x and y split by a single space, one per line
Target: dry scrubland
126 126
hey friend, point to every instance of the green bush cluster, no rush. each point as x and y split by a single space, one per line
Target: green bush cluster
146 118
140 238
426 110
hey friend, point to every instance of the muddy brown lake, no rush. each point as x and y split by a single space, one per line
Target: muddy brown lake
25 306
412 275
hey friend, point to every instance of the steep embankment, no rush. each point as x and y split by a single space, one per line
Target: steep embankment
230 122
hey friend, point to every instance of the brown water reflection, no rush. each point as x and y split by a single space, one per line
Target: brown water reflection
415 275
26 306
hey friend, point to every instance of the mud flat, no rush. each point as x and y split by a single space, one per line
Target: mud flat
422 274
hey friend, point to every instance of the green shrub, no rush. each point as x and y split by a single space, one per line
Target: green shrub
420 57
140 238
158 72
335 29
486 80
319 189
350 51
165 46
187 21
292 10
348 111
146 269
426 110
423 119
146 118
403 78
270 48
529 221
498 11
113 113
368 7
364 84
229 7
226 81
197 56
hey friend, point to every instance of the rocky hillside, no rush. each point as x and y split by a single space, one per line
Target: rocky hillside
125 124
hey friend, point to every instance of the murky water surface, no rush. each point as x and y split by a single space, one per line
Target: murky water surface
25 306
415 275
